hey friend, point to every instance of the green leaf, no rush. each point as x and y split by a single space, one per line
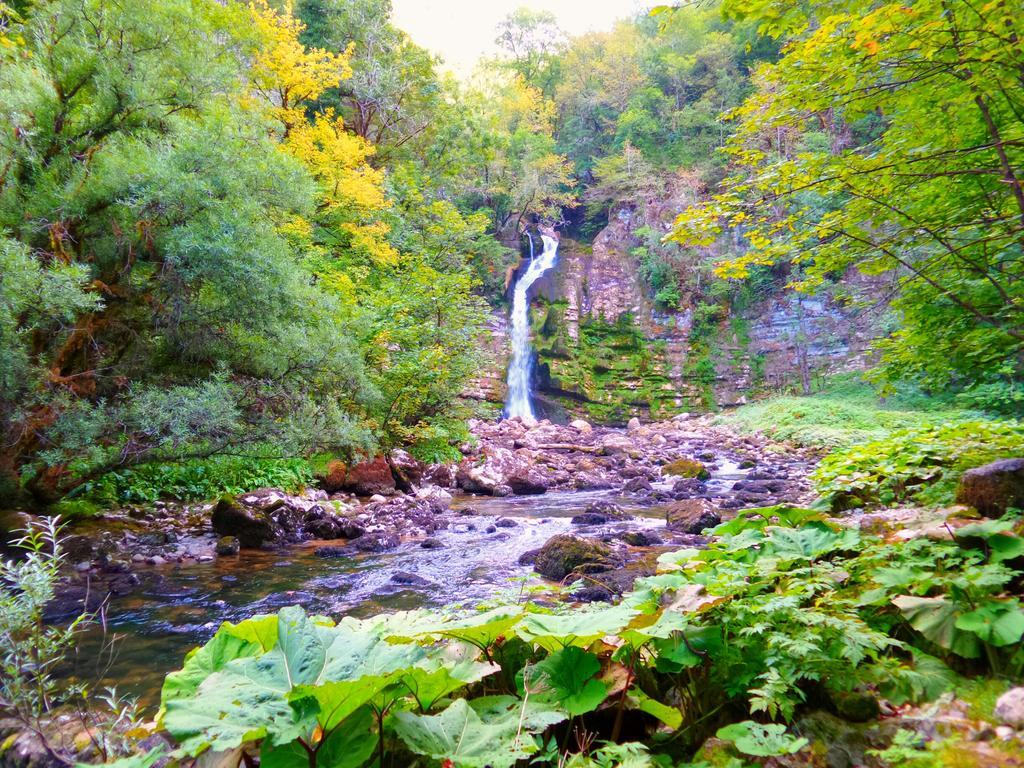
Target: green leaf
935 618
994 623
430 682
581 627
810 541
670 716
460 735
533 714
759 740
566 680
346 747
270 695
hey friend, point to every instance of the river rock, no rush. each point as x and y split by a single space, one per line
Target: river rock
691 516
376 542
614 444
564 554
1010 708
437 498
637 485
993 488
633 424
363 479
407 469
686 468
581 426
527 482
252 527
228 545
600 512
406 579
440 475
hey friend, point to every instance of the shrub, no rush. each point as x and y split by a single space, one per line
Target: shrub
198 479
32 651
920 465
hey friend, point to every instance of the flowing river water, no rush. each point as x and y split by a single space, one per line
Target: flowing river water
147 633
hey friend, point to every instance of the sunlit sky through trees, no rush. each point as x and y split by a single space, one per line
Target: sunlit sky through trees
461 31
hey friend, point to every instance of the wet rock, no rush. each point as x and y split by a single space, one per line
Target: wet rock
501 490
686 468
692 516
252 527
363 479
77 548
641 538
491 529
1010 708
227 545
431 543
527 482
334 551
600 512
993 488
637 485
564 554
688 487
505 522
437 498
407 579
593 593
528 557
376 542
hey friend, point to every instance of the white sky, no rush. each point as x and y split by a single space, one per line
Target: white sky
461 31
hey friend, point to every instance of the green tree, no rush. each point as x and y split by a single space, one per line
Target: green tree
916 172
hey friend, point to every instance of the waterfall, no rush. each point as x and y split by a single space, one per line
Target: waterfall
518 400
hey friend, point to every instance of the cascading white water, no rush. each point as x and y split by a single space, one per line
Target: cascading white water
518 400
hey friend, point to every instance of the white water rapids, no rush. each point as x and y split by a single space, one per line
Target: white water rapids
518 399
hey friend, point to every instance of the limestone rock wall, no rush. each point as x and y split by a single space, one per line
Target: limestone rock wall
605 352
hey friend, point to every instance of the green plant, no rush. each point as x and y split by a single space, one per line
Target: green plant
32 651
760 740
198 479
918 464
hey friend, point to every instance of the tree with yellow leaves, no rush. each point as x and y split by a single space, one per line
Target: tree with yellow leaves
287 77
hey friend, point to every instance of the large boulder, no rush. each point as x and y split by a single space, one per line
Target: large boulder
993 488
526 482
363 479
250 525
1010 708
691 516
491 476
565 554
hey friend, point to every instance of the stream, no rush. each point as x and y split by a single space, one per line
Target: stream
146 634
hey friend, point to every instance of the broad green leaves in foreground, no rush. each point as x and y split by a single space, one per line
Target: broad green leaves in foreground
781 604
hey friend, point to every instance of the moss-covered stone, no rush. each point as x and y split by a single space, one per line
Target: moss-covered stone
609 373
565 554
686 468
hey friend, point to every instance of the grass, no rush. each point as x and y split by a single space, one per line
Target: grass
848 411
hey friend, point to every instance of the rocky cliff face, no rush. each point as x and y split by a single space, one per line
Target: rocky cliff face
606 352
